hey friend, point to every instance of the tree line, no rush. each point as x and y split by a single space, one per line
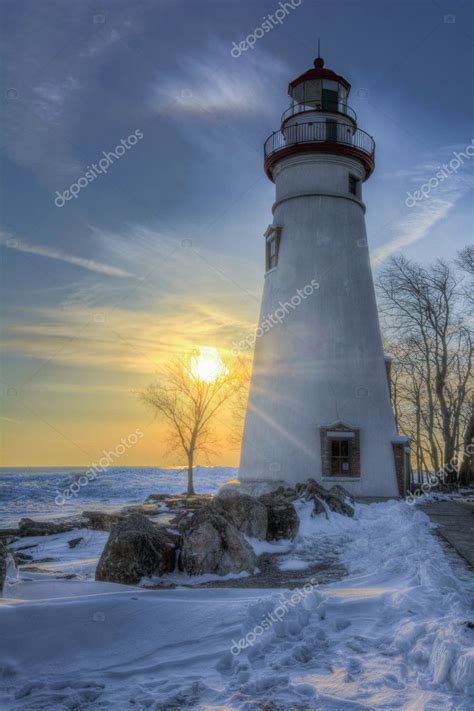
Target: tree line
427 316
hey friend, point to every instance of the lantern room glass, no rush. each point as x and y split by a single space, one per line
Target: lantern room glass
319 94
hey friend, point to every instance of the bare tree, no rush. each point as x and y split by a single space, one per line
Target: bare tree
465 259
407 381
466 473
189 403
425 315
465 262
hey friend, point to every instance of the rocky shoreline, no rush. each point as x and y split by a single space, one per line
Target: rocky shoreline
198 536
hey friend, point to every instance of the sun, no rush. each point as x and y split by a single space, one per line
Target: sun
207 365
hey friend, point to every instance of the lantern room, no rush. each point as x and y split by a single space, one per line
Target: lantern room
319 120
319 89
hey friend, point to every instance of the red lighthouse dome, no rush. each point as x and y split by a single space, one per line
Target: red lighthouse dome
319 73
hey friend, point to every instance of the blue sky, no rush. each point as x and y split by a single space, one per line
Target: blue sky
165 250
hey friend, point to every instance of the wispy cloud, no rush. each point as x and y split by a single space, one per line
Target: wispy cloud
91 265
52 81
215 83
416 223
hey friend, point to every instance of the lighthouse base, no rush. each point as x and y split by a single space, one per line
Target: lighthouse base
259 487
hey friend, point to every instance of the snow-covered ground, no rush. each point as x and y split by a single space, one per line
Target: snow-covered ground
391 635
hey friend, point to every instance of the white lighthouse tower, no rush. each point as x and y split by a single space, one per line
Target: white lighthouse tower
319 402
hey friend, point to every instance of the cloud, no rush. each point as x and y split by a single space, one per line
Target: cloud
102 43
51 82
214 83
89 264
416 222
119 339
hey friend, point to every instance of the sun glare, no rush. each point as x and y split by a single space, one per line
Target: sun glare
207 365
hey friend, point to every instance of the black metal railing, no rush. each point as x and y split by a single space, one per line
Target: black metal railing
320 132
333 107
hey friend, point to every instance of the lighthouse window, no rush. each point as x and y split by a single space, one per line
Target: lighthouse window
312 92
272 252
340 457
353 185
330 95
340 450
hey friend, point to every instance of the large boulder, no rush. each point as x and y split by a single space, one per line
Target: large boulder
282 519
246 513
136 549
211 544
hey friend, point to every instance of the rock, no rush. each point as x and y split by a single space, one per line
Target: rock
319 507
211 544
339 506
339 500
247 514
251 488
180 520
75 541
283 521
155 497
340 493
285 492
28 527
147 509
101 520
336 498
311 488
179 501
3 565
9 535
136 549
21 558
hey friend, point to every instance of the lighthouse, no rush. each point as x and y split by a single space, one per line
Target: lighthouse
319 404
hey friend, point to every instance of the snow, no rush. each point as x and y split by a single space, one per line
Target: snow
295 563
393 634
59 559
181 579
260 547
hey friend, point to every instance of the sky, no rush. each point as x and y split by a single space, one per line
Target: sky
163 250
